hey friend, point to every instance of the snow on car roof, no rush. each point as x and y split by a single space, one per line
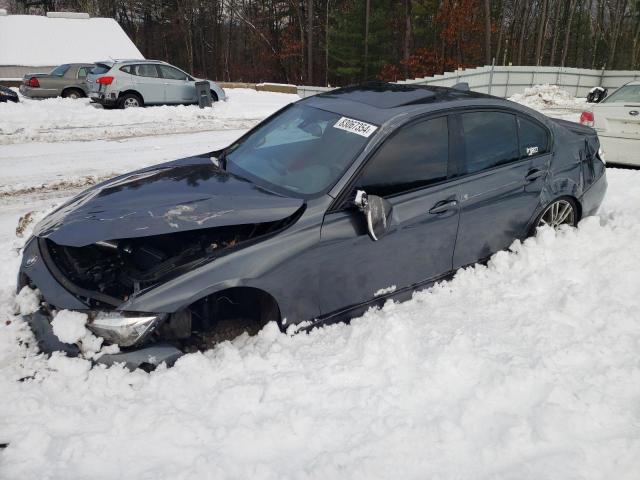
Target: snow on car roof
32 40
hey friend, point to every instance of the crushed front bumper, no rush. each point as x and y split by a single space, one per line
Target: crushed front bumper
55 290
152 355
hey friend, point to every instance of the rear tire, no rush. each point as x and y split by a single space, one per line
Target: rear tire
73 93
130 100
562 211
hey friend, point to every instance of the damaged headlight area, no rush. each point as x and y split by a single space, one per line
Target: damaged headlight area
125 329
108 272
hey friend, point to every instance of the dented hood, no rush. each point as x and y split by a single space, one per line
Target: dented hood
163 200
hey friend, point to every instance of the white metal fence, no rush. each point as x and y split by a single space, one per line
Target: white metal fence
506 81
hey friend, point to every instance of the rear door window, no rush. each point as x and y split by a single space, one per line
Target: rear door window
534 139
171 73
416 156
60 70
489 139
145 70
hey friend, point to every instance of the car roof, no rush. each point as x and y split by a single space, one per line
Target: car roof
131 60
141 61
380 101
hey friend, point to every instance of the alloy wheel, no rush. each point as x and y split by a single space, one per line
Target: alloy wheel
131 102
560 212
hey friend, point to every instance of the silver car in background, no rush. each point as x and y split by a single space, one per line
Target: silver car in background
136 83
66 80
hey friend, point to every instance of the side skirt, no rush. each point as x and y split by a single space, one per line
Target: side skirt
354 311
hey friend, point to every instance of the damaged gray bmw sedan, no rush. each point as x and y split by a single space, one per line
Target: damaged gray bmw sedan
331 205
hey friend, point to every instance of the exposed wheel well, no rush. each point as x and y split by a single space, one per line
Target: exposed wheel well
228 313
214 96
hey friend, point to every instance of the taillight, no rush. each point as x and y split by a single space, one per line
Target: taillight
33 83
105 80
586 118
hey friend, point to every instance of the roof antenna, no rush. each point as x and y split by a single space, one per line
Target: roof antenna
462 86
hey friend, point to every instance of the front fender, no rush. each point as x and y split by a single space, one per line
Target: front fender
283 265
222 96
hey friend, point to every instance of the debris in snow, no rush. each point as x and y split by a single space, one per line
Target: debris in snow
69 326
23 223
384 291
27 301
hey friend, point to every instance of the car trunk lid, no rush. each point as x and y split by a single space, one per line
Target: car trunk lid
617 119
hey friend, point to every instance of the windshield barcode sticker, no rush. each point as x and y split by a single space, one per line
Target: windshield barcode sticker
355 126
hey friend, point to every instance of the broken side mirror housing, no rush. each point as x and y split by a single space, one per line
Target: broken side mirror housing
377 212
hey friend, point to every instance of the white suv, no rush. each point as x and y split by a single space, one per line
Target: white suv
136 83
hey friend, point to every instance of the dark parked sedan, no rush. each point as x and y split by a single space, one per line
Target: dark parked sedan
333 204
8 95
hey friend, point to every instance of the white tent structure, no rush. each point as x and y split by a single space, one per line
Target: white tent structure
32 43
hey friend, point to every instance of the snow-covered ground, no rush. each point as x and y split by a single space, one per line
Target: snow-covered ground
527 368
64 119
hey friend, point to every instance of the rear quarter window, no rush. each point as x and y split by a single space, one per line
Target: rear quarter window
83 71
534 139
100 68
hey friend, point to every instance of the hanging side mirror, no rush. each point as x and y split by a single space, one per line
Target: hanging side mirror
377 212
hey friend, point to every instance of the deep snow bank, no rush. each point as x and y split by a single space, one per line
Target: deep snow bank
63 119
552 101
527 368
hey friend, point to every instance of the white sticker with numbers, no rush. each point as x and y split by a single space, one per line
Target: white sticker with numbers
355 126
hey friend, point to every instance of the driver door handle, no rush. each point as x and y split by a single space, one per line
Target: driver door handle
443 207
534 175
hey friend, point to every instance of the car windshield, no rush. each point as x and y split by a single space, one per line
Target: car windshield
302 151
628 93
60 70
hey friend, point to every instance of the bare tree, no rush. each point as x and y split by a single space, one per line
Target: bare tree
487 31
567 32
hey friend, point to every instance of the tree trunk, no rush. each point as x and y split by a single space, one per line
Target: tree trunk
310 42
326 47
541 31
523 29
634 47
487 32
616 17
407 37
501 31
556 32
366 39
567 33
